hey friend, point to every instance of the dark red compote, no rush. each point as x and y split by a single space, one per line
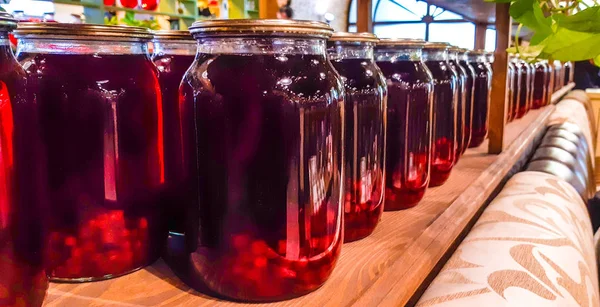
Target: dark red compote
409 121
470 89
461 124
365 105
100 147
445 96
511 88
262 128
524 88
515 93
481 97
22 278
539 86
174 52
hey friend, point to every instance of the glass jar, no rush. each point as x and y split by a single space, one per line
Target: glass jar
568 68
22 278
445 96
549 81
539 86
365 122
461 139
516 85
530 100
558 76
262 123
470 90
511 88
99 113
481 100
524 88
174 52
409 121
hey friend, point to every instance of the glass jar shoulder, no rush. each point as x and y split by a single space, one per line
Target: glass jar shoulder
441 70
359 74
481 70
303 79
413 72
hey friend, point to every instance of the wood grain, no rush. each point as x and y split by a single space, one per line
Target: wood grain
364 18
390 267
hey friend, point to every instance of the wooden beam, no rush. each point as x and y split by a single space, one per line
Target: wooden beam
364 18
499 81
268 9
480 29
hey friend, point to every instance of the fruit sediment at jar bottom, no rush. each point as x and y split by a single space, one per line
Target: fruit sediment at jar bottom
470 81
539 86
171 70
409 115
102 144
266 163
364 146
444 134
461 139
23 281
481 103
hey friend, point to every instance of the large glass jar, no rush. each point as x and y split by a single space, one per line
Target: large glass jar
511 87
469 90
549 81
524 88
99 116
516 86
568 72
558 76
539 86
409 121
262 124
365 122
445 96
481 100
22 278
461 138
174 52
530 99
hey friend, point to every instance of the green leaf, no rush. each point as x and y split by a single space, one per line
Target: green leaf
587 20
500 1
597 60
530 14
568 45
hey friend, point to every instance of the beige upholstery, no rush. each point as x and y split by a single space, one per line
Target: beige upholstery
573 111
533 246
582 97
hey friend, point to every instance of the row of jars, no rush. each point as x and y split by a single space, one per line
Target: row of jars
253 150
531 85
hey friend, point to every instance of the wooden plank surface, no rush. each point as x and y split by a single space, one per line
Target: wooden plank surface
364 18
390 267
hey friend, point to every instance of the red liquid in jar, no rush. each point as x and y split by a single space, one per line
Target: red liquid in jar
364 146
100 123
511 89
461 139
524 85
262 155
481 103
516 92
567 72
539 86
444 134
23 281
171 69
409 132
549 82
470 89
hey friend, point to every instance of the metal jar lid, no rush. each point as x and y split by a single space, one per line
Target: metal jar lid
402 42
478 52
260 27
70 31
7 21
437 45
177 35
363 37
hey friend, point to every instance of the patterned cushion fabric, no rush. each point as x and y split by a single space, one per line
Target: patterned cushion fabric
573 111
582 97
533 246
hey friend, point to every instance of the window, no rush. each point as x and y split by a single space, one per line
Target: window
417 19
490 39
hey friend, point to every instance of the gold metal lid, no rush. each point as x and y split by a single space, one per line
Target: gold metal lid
7 21
259 27
52 30
179 35
402 42
436 45
363 37
478 52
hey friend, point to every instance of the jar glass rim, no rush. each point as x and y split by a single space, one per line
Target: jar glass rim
351 37
66 31
178 35
401 42
260 27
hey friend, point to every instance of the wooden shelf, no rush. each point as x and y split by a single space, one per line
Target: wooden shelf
80 3
124 9
389 268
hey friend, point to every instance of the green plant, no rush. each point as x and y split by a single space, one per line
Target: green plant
130 20
563 30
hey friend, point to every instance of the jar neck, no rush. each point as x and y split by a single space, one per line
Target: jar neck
5 43
464 57
174 47
261 45
52 46
435 55
396 54
453 56
349 50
